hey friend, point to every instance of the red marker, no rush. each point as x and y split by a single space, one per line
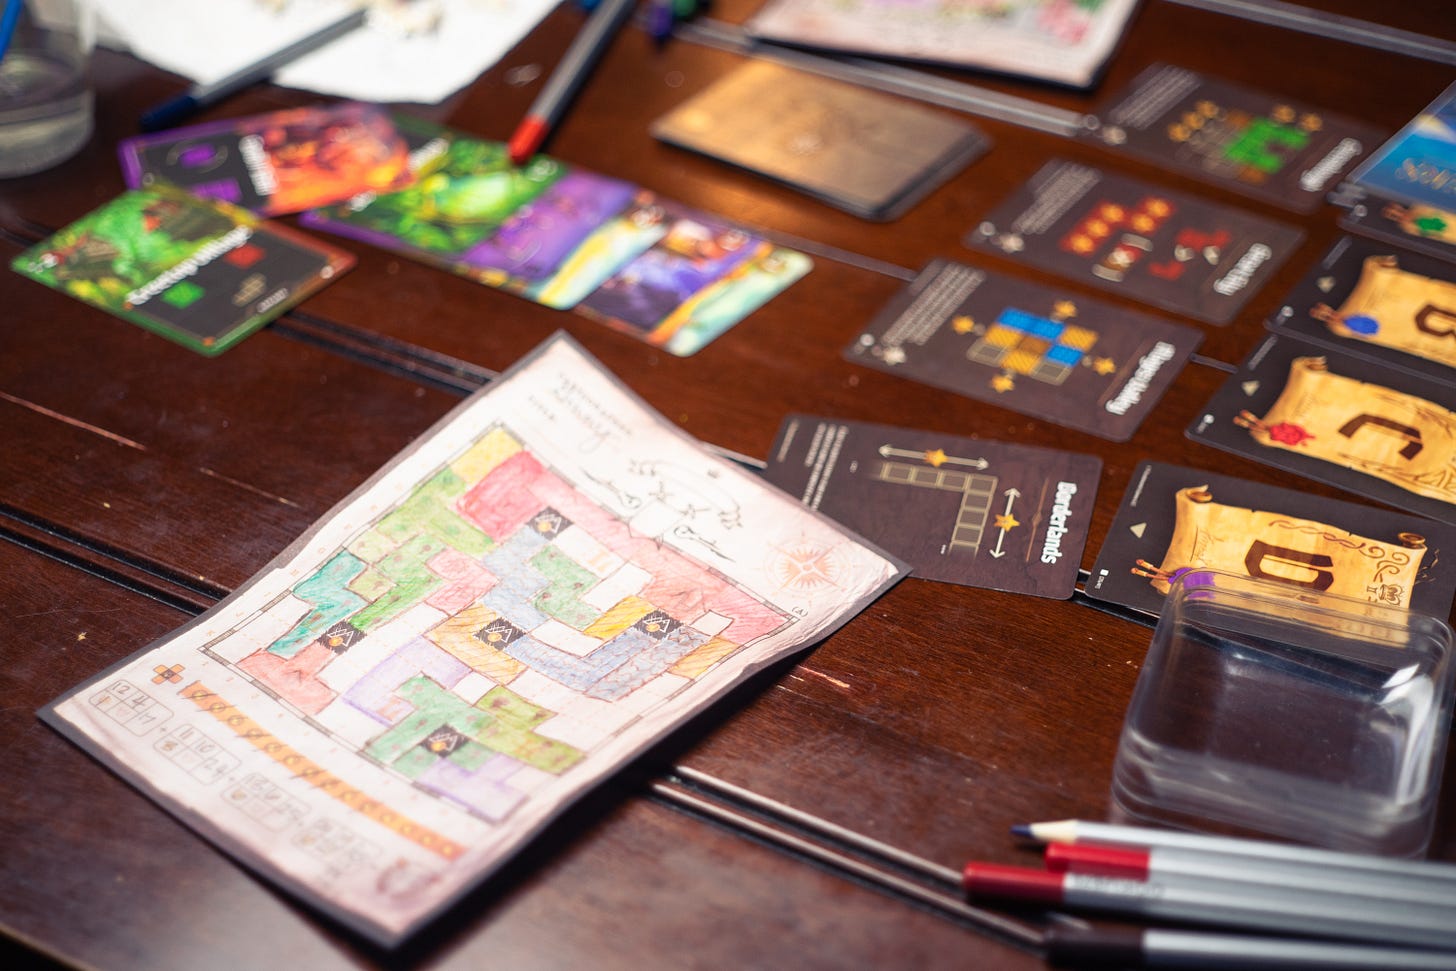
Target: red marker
567 79
1216 903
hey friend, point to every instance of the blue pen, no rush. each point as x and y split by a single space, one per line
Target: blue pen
8 20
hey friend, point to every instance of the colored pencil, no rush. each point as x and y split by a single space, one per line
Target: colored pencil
567 79
199 96
1157 948
1317 914
1171 864
1080 831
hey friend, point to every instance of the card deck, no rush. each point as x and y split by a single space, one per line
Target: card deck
1384 434
868 153
1371 300
202 273
279 162
1418 165
1254 142
698 279
961 510
1166 248
1048 353
1175 518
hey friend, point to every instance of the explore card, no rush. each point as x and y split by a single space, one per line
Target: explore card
1258 143
1043 352
279 162
1165 248
699 278
1369 299
1173 519
546 583
868 153
202 273
1381 433
963 510
470 189
1052 40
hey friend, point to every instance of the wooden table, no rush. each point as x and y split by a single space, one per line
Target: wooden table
140 483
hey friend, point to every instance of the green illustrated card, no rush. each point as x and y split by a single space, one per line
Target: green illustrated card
202 273
460 199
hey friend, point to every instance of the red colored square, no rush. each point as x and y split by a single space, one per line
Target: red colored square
245 256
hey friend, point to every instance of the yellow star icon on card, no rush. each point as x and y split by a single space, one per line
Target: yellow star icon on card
1006 521
1063 309
1002 382
1104 365
962 324
936 458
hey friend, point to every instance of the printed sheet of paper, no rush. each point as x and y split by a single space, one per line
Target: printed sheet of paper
422 51
1053 40
538 589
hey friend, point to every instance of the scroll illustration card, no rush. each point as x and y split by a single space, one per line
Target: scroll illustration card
1252 141
1407 225
1380 433
1369 299
962 510
1165 248
200 272
542 586
1037 350
1173 519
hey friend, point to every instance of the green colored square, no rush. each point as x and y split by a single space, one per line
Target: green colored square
183 294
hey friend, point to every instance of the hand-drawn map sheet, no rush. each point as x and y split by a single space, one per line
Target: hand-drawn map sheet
544 584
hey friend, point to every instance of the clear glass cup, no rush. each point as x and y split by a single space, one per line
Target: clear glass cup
46 98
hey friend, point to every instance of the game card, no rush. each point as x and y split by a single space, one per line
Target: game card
200 272
1257 143
1384 434
469 190
868 153
1409 225
279 162
603 251
1418 165
1175 519
1172 250
694 282
1369 299
1043 352
532 242
962 510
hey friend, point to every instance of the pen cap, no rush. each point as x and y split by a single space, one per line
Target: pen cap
1268 708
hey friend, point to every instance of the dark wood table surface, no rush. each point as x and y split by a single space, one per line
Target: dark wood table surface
140 483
